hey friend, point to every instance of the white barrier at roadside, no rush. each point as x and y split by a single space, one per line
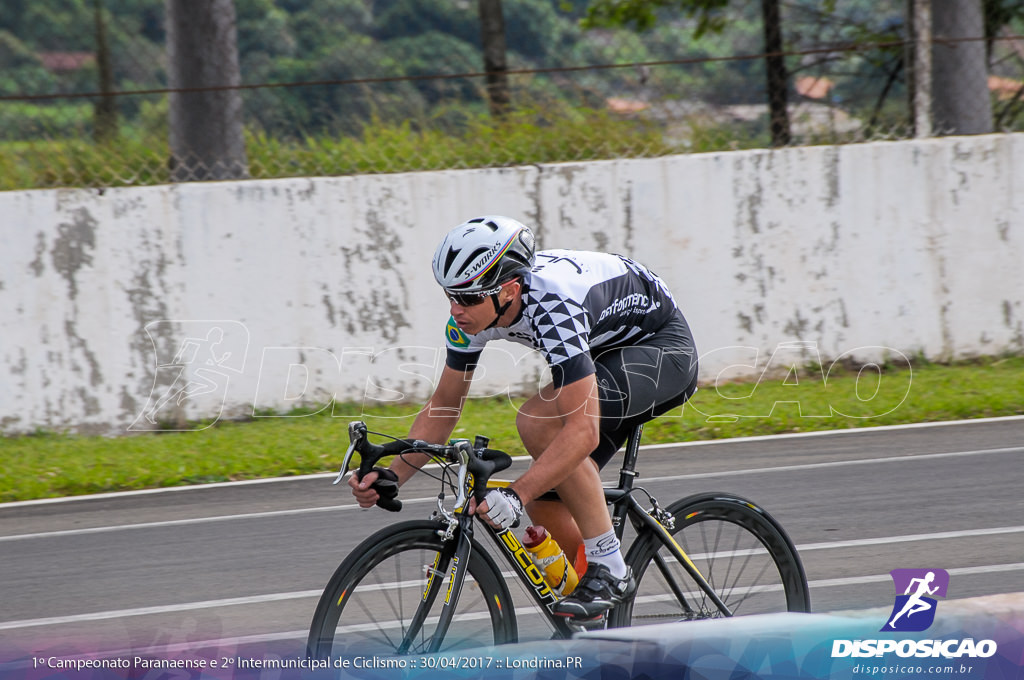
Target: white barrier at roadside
144 308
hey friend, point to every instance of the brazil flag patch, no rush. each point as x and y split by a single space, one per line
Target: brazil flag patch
456 337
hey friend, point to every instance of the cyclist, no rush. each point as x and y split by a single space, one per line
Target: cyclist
619 351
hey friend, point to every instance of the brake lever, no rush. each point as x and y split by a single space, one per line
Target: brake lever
463 451
345 463
356 435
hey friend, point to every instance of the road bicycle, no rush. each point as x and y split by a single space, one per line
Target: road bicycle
428 586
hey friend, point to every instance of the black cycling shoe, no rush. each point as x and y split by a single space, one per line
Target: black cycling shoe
597 592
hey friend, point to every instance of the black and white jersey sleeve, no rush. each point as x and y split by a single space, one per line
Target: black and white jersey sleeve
580 303
577 304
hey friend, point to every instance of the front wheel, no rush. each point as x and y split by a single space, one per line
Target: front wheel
740 550
385 597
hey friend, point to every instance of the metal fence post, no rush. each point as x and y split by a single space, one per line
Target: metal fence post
921 25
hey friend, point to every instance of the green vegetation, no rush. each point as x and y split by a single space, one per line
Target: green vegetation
523 138
360 86
49 465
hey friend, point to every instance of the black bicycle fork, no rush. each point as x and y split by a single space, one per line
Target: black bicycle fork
454 558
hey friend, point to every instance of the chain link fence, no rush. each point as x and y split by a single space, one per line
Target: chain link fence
331 87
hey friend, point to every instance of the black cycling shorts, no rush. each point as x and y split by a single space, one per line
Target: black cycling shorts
640 382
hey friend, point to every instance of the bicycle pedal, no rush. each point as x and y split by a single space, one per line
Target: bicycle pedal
586 624
595 624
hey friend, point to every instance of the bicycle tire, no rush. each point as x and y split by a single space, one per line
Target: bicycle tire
740 550
373 595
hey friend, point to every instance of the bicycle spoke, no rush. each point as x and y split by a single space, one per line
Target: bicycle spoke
397 576
385 599
673 585
711 572
727 581
372 616
738 602
741 553
731 582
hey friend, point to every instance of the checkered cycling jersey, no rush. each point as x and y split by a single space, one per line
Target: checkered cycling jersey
576 302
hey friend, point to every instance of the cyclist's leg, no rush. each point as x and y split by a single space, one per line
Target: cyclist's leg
640 382
582 512
635 384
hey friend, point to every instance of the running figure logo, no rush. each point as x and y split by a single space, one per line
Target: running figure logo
195 361
914 610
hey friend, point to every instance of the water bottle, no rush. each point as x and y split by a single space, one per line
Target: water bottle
558 570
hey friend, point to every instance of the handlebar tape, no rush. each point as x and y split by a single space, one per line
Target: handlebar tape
386 486
483 465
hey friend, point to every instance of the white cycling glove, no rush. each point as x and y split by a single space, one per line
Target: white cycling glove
504 507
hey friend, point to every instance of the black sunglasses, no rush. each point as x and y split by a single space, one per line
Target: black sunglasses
470 299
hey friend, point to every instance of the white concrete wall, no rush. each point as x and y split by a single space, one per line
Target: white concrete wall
297 290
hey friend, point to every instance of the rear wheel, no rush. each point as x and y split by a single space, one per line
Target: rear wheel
739 549
372 604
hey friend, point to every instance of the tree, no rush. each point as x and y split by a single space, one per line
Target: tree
999 14
775 66
492 38
408 18
206 126
960 99
949 74
642 15
105 112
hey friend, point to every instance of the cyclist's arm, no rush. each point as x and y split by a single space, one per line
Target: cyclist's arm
436 421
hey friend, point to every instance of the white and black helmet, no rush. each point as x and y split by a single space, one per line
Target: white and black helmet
482 253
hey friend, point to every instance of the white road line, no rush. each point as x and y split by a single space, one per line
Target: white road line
521 612
843 463
651 447
194 520
163 609
334 508
844 431
857 580
956 571
857 543
303 594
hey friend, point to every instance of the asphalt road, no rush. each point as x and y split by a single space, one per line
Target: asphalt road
229 565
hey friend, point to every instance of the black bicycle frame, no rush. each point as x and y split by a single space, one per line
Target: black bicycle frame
624 506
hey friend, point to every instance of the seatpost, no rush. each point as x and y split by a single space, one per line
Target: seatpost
628 470
626 474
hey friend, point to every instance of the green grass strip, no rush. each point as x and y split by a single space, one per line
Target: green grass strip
51 465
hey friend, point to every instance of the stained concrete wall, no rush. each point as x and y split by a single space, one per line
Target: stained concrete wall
142 307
